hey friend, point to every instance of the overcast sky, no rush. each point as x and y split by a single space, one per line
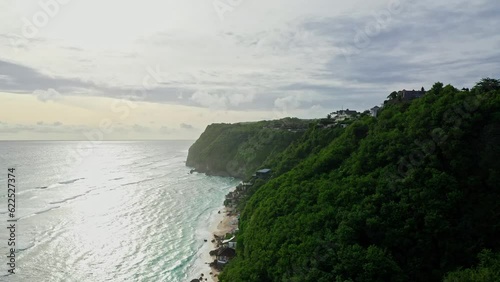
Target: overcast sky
151 69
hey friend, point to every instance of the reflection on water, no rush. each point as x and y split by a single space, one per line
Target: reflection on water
127 211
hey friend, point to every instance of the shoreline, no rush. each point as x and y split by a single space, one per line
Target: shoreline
201 263
219 224
223 227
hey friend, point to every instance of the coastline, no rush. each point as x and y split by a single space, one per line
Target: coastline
219 224
201 263
222 226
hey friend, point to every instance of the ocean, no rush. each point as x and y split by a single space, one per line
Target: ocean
115 211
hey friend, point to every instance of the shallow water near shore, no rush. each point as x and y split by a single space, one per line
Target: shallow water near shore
125 211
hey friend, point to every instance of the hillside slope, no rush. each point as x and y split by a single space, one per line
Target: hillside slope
409 196
239 149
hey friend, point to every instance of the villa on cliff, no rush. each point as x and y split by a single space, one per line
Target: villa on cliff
230 243
263 173
343 114
407 95
224 255
374 111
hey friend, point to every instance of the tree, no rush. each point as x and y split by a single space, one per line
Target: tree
393 95
487 270
385 199
437 87
487 85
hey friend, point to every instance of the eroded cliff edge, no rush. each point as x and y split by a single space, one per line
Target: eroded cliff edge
239 149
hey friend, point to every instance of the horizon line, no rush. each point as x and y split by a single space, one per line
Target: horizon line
72 140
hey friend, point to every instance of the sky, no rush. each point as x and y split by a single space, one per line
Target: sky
163 69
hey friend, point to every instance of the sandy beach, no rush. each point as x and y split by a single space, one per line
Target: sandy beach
223 227
220 225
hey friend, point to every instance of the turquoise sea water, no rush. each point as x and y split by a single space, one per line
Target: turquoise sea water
117 211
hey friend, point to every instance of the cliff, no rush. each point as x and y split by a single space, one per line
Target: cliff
239 149
411 195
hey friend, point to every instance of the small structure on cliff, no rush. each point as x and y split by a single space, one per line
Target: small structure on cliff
224 255
374 111
230 243
263 173
407 95
343 115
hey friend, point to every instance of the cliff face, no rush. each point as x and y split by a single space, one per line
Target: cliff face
408 196
237 150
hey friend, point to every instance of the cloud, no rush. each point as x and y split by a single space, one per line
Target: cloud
186 126
23 79
238 99
140 128
166 130
287 103
7 128
222 100
445 38
206 99
42 127
48 95
276 63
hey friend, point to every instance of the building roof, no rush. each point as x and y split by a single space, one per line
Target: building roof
226 252
345 112
228 240
266 170
411 94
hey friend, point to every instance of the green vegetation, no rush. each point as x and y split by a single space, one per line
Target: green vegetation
239 149
487 271
412 195
310 142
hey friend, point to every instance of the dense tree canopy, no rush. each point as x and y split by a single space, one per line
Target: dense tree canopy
412 195
488 84
239 149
